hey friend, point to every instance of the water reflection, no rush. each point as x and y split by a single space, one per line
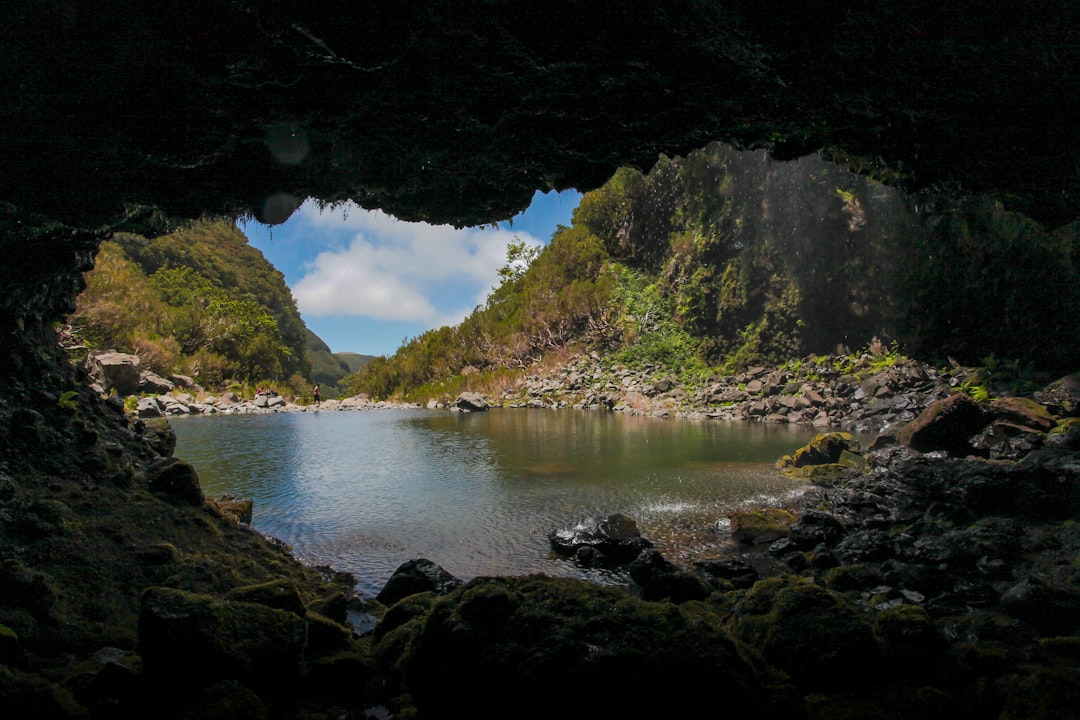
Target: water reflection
478 493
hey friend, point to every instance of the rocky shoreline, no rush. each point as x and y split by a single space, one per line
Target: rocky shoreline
864 395
119 375
933 574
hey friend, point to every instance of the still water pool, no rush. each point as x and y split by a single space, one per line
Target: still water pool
364 491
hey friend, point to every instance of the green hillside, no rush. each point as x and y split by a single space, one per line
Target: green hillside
200 302
328 368
354 361
724 259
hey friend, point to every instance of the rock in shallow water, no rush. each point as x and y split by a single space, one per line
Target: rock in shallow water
615 538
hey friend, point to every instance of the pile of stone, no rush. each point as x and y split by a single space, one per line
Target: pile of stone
120 374
860 399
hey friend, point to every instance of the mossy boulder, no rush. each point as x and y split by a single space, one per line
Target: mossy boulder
824 449
1024 412
201 637
281 594
946 424
175 481
500 647
28 589
1045 694
814 635
764 525
913 643
158 434
826 460
843 706
9 645
29 695
239 509
1066 435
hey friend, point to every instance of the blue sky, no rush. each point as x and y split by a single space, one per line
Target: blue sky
365 281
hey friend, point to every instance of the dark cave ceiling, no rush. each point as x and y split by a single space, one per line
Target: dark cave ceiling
458 111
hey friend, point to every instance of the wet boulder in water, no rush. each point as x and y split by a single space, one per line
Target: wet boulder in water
470 402
613 539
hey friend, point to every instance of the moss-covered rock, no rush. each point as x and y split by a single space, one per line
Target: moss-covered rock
1043 694
158 434
824 449
175 480
814 635
281 593
826 460
1024 412
9 645
187 635
841 706
498 647
31 696
764 525
1062 396
913 643
239 509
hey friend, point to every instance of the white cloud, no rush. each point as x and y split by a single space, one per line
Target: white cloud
380 267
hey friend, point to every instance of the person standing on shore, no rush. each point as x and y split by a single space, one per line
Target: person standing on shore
317 395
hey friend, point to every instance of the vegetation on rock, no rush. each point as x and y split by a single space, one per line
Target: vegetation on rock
722 260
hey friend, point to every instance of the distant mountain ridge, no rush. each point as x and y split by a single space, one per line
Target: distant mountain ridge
327 367
354 361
